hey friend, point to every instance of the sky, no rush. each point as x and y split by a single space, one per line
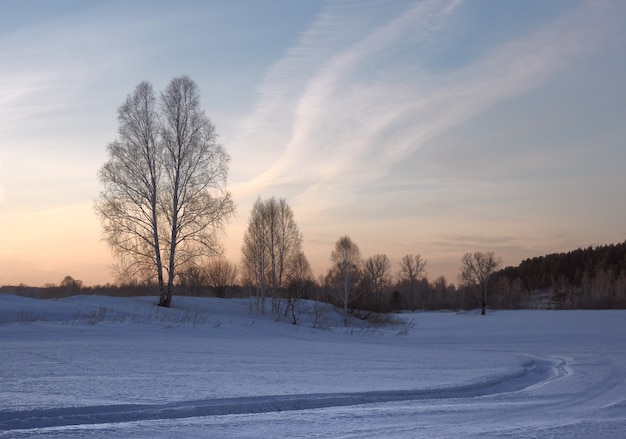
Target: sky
414 127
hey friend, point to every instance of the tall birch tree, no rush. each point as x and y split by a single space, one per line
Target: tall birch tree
164 199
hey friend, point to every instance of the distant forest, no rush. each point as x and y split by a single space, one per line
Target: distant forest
590 278
582 278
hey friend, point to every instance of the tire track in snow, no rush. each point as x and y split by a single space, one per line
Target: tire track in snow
533 372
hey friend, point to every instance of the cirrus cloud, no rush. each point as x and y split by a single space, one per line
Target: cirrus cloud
355 97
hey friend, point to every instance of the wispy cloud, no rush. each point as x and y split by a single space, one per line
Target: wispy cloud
316 103
343 106
54 76
44 67
63 63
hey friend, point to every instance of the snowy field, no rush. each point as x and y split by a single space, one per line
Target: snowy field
208 368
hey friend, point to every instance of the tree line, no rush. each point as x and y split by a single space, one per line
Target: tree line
361 286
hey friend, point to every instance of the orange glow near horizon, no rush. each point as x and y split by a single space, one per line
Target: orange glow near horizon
47 245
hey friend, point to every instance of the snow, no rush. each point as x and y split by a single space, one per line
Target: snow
119 367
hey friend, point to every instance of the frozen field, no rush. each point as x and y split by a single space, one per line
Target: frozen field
208 368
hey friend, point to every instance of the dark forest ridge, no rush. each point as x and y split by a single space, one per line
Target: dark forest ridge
590 277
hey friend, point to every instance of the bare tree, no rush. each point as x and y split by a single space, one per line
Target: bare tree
271 242
376 269
476 270
286 247
164 184
346 258
220 274
196 169
254 254
193 279
128 206
412 269
300 283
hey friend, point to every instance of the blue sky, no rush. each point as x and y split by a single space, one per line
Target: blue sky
425 127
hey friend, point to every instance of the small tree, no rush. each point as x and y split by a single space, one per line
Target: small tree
254 255
270 244
346 258
193 279
412 269
376 270
70 285
300 283
476 270
220 274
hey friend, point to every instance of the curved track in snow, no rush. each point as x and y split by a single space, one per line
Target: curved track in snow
534 371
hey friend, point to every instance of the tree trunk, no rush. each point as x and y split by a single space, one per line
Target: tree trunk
166 298
157 250
346 281
170 276
483 302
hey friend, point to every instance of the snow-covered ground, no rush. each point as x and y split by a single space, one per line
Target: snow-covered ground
122 367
